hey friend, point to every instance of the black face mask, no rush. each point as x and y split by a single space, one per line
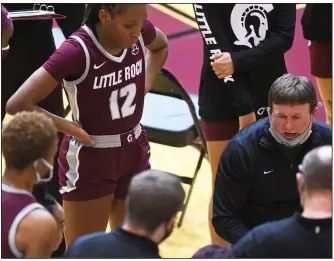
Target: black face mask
168 232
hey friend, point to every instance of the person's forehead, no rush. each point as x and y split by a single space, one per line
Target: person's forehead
291 109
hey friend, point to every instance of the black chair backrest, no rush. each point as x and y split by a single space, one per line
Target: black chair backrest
166 84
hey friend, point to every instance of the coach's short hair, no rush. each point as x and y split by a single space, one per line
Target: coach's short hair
27 137
316 169
292 89
154 197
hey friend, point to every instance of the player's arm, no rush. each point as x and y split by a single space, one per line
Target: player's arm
156 44
37 234
230 193
279 41
67 61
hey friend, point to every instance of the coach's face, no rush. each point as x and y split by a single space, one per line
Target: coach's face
291 120
125 27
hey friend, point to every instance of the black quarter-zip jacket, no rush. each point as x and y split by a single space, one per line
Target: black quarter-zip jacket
256 179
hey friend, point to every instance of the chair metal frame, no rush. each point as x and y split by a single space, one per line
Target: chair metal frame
180 93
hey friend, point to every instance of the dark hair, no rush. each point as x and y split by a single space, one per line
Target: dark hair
291 89
91 16
27 137
154 197
317 168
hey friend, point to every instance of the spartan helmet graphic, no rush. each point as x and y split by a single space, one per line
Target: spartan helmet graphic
249 23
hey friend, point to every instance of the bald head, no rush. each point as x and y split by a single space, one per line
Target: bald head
154 197
317 169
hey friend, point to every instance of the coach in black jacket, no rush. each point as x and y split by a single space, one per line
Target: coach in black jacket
244 44
255 181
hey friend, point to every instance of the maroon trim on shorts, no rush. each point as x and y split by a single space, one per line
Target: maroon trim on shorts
218 131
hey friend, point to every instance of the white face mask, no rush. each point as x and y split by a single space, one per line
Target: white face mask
301 139
46 178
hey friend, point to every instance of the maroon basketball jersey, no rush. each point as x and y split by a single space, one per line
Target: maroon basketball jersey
16 204
108 98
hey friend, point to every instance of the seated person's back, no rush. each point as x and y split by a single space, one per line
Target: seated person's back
153 200
305 235
116 244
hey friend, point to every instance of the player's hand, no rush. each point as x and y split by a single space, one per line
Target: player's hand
81 135
222 65
246 120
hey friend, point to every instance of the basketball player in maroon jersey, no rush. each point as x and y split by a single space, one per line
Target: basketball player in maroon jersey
29 143
106 74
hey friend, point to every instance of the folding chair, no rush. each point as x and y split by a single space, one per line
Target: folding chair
170 118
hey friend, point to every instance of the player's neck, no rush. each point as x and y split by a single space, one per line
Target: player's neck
318 207
15 179
106 43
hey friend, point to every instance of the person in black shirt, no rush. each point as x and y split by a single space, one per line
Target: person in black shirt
306 235
153 200
255 181
243 54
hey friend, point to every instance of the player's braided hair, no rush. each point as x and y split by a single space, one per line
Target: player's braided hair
91 17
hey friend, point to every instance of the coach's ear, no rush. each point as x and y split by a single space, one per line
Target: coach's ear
299 178
315 111
300 186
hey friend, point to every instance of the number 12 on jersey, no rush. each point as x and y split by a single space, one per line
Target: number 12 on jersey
127 109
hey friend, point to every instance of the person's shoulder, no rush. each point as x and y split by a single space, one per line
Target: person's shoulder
83 245
324 130
90 245
273 227
87 239
37 224
262 237
322 126
270 230
253 133
148 32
